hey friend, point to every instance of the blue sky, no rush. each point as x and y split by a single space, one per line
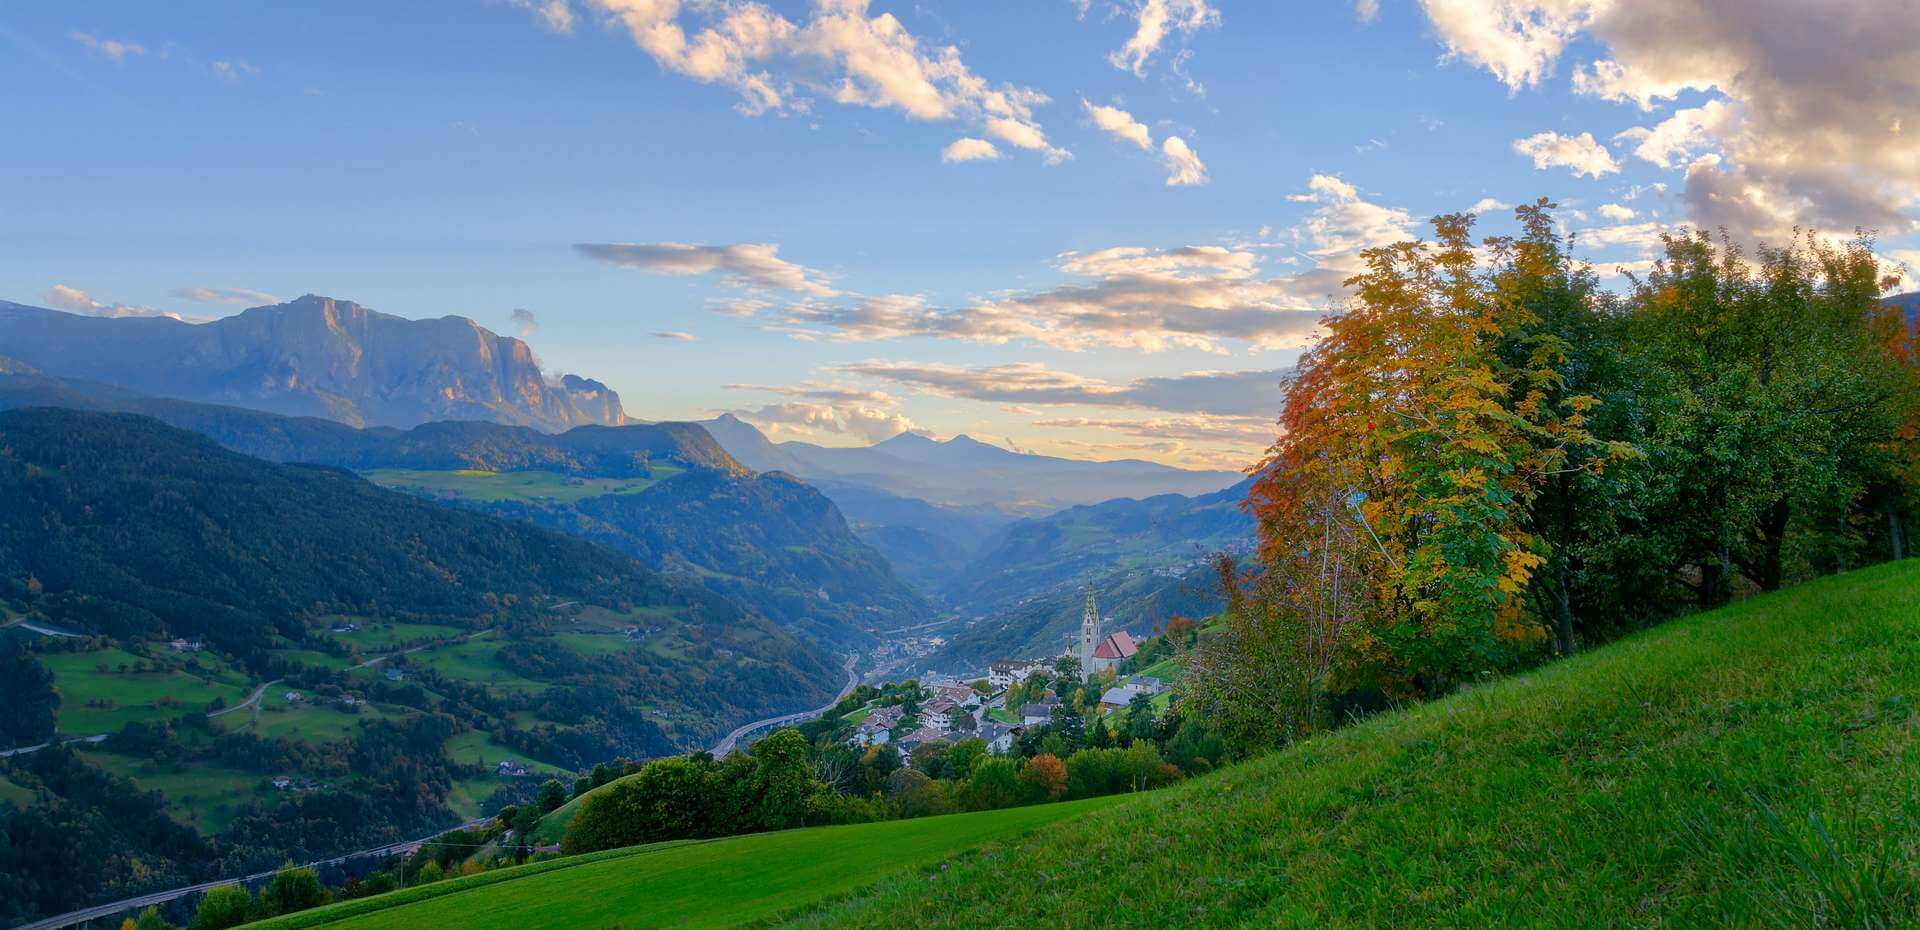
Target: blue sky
820 267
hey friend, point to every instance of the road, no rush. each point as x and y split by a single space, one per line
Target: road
726 745
160 897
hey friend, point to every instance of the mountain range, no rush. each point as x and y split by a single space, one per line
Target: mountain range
767 540
963 472
905 525
315 356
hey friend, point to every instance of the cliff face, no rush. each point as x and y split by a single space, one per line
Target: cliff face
314 356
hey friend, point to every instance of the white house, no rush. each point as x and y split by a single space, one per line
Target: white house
1006 673
938 714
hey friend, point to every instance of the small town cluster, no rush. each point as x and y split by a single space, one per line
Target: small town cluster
958 709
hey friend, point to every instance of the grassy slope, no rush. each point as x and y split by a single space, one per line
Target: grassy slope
514 485
718 883
1628 787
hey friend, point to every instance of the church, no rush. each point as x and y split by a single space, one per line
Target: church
1098 653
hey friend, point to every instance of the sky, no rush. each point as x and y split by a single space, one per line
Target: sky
1093 228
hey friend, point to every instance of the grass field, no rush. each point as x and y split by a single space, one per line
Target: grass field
716 883
206 796
134 696
474 661
1684 777
309 721
494 486
375 638
14 793
594 644
478 747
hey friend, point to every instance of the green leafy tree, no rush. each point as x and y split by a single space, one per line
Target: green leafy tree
553 794
222 907
784 775
292 889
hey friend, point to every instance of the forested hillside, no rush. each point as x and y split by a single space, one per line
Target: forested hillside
772 543
381 654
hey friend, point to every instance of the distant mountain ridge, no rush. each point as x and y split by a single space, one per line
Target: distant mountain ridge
768 541
314 356
964 472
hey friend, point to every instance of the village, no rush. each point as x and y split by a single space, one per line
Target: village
1013 696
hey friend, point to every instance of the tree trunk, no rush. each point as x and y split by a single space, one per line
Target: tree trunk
1773 530
1713 579
1896 532
1563 611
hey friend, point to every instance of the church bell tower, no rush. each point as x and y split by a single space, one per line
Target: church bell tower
1089 633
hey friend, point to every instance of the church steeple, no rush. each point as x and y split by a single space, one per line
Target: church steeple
1089 633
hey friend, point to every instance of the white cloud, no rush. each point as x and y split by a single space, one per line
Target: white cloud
1026 135
1153 21
1121 124
672 335
1366 11
1581 154
1684 136
1202 297
870 424
553 15
1489 205
1183 165
75 300
840 52
1220 393
114 50
969 149
1517 40
1807 100
233 70
233 296
754 265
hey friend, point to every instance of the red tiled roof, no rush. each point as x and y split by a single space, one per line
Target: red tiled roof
1117 646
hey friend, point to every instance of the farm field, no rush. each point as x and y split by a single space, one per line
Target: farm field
207 796
476 661
95 701
374 638
309 720
699 884
492 486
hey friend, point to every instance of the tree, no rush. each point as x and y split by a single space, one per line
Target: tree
294 889
1044 778
784 777
553 794
995 783
149 919
27 692
222 907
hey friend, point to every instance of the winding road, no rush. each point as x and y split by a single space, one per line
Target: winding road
726 745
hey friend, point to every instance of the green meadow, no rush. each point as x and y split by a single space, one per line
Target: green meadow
98 696
1749 767
700 884
495 486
